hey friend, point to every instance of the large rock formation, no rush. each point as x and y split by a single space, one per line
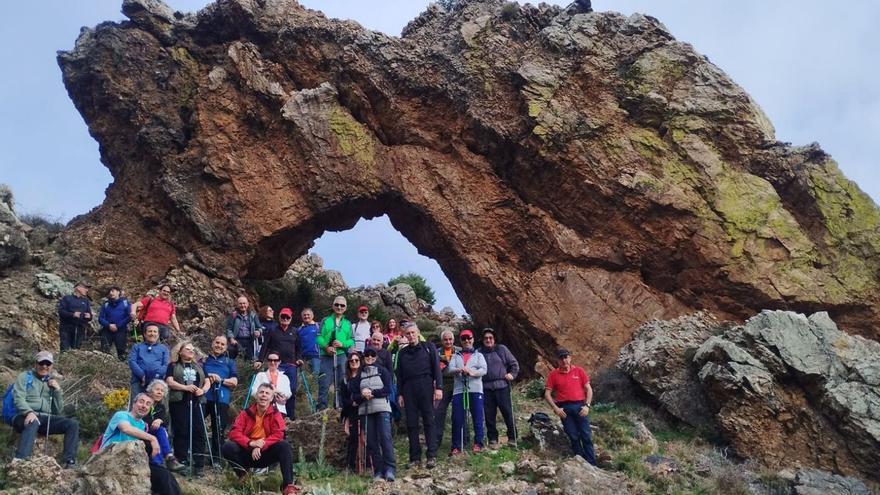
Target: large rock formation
785 389
574 173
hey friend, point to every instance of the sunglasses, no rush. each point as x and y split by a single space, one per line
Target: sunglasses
45 363
467 338
283 317
273 360
354 360
338 305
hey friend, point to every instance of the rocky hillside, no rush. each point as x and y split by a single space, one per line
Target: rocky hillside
574 173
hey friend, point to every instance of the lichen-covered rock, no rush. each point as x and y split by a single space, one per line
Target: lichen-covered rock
14 245
52 286
120 468
578 477
403 297
816 482
38 475
791 390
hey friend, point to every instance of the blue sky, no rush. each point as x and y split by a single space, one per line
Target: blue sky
810 65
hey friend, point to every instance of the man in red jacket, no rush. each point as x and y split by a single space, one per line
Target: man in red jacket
257 440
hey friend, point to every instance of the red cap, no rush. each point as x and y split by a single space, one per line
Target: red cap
363 308
465 332
286 311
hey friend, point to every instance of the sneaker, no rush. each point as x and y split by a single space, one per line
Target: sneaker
261 471
389 475
431 463
477 448
378 477
70 464
413 464
172 464
494 445
454 452
290 490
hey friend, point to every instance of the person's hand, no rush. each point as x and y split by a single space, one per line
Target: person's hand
258 365
87 316
508 377
330 350
257 334
199 391
113 327
30 418
559 412
258 444
299 362
585 410
232 341
154 445
400 400
345 425
76 314
155 424
336 343
280 398
366 393
438 395
53 384
257 453
215 378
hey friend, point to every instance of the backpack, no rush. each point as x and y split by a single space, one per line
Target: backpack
9 402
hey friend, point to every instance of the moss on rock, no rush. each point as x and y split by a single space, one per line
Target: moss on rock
353 138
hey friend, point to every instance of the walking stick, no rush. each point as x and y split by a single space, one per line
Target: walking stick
189 452
513 418
305 381
247 397
465 402
335 382
219 428
205 428
49 421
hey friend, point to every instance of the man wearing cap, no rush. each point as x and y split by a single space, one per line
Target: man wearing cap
114 317
334 341
501 369
38 403
360 330
421 385
571 386
285 342
74 314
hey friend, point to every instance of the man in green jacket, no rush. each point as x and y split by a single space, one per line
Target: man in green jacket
38 403
334 341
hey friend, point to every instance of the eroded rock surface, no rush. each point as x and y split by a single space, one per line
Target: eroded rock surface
14 245
574 173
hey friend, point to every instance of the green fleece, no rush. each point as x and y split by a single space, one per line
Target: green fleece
39 398
343 335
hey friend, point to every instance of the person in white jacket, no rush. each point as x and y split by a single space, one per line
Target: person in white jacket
466 368
278 380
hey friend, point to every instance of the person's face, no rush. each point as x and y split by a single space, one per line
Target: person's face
284 319
270 313
467 341
375 327
565 362
274 360
81 291
354 362
392 324
364 314
339 307
142 406
151 335
157 394
242 304
187 353
447 341
489 340
412 335
307 316
376 341
44 368
369 359
264 396
218 347
114 294
165 292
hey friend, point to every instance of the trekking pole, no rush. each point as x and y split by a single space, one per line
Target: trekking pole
366 446
205 428
305 381
335 382
219 429
513 418
189 451
49 421
247 397
360 450
465 402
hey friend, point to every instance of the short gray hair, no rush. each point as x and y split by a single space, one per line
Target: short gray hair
446 332
157 383
142 394
266 385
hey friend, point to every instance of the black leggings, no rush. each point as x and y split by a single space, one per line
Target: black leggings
180 422
240 459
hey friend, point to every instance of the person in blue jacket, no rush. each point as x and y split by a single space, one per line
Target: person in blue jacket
147 360
74 315
220 368
114 318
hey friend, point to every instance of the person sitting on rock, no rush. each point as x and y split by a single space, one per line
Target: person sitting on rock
131 426
256 440
74 315
573 392
159 310
466 369
157 422
147 360
38 401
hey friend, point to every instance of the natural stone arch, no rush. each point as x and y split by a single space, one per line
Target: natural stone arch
574 174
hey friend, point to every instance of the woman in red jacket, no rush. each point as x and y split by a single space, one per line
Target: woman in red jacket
257 440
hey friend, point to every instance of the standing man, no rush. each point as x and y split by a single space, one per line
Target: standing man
421 385
502 369
159 310
257 440
383 357
360 330
308 341
243 327
445 353
220 368
75 315
147 360
38 401
285 343
574 395
114 318
334 340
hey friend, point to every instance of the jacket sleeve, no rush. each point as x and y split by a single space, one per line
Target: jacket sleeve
64 308
479 367
57 404
255 321
238 433
126 318
385 391
19 395
264 349
435 366
230 325
102 316
323 338
455 365
283 385
510 362
354 389
136 370
277 431
346 339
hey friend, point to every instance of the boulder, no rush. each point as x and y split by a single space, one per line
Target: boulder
403 298
816 482
52 286
659 360
308 435
578 477
120 468
37 475
794 390
14 245
547 432
309 268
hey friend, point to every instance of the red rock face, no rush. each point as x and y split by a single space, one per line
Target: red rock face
574 174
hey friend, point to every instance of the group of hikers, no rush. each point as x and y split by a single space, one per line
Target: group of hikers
379 374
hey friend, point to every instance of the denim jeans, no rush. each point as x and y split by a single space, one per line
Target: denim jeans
326 378
458 419
379 445
578 430
291 371
56 424
314 364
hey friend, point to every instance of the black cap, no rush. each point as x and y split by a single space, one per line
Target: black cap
488 330
83 283
369 351
562 352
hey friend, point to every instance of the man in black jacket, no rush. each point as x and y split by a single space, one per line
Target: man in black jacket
74 314
502 368
421 385
284 341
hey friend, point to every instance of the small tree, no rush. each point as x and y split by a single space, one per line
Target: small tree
419 285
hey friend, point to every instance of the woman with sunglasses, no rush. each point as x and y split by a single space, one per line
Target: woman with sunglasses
334 341
278 379
349 413
189 384
370 390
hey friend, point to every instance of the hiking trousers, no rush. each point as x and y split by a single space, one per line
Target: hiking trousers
577 428
57 424
180 422
71 336
459 435
240 459
418 401
493 401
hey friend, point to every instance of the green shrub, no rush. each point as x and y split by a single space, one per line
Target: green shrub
419 285
534 389
428 329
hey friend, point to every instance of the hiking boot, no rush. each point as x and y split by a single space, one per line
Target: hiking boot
261 471
70 464
477 448
290 490
172 464
378 477
389 475
454 452
494 445
413 464
431 463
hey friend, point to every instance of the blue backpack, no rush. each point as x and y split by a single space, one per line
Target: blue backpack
8 401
